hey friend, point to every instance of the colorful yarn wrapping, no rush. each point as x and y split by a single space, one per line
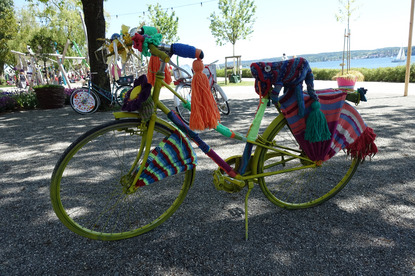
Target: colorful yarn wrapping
148 30
172 156
138 98
291 74
153 66
316 129
344 122
204 111
140 42
364 145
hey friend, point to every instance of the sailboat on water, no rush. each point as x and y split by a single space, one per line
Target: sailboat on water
400 57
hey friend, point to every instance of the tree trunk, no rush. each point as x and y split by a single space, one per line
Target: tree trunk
95 25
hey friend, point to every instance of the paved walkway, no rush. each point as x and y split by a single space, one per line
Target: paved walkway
368 229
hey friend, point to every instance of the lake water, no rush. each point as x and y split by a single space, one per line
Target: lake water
361 63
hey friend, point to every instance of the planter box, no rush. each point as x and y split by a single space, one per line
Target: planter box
49 97
345 83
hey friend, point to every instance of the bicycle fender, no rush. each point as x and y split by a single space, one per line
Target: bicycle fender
222 93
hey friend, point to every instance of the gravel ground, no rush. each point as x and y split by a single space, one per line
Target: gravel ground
368 229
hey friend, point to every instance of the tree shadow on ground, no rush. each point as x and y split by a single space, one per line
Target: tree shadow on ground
366 229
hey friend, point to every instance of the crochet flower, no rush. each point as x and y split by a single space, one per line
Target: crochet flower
136 96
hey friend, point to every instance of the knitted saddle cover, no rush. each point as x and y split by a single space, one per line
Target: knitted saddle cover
172 156
347 128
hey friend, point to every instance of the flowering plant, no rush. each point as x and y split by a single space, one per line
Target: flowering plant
350 75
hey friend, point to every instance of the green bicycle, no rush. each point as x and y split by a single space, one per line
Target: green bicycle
101 186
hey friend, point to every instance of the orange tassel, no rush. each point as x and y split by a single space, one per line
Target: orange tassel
205 113
167 74
153 67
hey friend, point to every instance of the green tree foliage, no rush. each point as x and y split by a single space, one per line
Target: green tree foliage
166 23
8 30
345 11
27 27
234 23
62 20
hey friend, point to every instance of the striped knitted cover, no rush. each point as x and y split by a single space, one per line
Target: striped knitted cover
347 128
271 77
173 155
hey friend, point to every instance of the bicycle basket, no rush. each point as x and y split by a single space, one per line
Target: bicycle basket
126 80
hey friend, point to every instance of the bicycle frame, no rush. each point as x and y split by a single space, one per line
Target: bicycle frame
236 180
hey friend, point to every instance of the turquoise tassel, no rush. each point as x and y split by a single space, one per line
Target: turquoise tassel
316 129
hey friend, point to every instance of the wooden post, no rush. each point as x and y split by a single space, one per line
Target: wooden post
408 55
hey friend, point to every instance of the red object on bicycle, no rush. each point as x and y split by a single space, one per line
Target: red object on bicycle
205 113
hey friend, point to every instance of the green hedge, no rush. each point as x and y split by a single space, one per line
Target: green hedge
246 73
385 74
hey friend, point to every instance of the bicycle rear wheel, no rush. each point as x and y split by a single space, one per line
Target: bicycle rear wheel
87 193
84 101
120 93
305 187
222 104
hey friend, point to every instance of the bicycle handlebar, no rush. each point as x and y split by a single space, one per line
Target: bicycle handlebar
156 52
164 51
186 51
182 50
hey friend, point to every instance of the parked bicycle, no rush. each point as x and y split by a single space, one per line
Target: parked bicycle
183 80
128 176
85 100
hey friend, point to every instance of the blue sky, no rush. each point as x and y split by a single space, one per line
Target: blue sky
293 27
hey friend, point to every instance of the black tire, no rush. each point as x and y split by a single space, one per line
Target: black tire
89 185
302 188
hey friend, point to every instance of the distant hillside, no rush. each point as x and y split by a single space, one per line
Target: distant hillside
357 54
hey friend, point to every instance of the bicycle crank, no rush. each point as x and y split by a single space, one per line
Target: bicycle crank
226 183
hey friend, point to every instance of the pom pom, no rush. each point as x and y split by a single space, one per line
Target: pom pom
204 111
136 96
138 41
317 129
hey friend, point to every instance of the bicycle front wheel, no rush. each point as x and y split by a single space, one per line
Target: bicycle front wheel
307 187
120 93
222 104
84 101
87 190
